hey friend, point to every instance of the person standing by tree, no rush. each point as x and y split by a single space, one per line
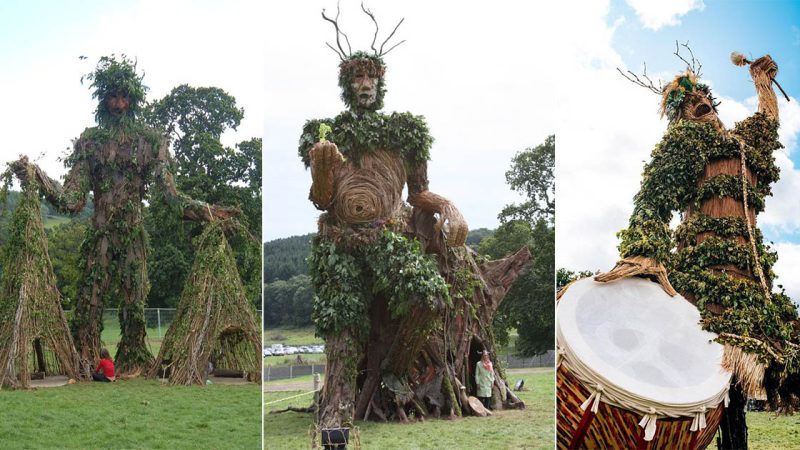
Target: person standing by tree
117 160
484 379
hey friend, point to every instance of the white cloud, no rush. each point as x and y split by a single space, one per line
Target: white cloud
656 14
786 268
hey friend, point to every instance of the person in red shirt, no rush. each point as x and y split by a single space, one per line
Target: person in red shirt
105 368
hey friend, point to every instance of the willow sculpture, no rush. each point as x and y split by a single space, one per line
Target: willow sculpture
34 335
716 258
214 323
404 306
117 161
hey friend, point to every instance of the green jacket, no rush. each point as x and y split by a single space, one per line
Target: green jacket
484 380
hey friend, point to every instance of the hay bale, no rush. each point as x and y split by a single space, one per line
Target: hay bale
214 322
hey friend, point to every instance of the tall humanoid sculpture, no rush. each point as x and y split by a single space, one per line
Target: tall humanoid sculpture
117 161
386 279
718 179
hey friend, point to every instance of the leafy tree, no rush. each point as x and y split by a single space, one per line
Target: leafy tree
64 242
195 119
566 276
529 305
531 174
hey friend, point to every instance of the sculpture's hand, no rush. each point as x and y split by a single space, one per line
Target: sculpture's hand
638 266
763 66
325 157
456 229
20 169
224 212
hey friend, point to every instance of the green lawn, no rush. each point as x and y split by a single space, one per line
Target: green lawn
291 336
531 428
769 432
131 415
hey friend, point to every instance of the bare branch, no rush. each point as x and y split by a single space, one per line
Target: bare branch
392 47
337 51
372 16
380 53
335 22
633 78
694 65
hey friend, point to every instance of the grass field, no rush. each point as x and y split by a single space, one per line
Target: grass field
531 428
766 431
131 415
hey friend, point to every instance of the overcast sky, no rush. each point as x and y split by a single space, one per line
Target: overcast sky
482 74
609 126
45 106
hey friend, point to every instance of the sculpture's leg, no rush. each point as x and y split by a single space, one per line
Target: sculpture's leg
132 352
733 427
340 313
87 321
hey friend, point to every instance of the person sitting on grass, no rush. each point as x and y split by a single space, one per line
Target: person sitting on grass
484 378
105 368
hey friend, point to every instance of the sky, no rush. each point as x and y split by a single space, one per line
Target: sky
201 43
608 126
476 73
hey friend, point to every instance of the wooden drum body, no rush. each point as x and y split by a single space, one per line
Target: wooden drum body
635 369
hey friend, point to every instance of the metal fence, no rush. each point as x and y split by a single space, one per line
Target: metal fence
288 372
509 362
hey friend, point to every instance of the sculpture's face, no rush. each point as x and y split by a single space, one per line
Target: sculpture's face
118 104
365 88
698 107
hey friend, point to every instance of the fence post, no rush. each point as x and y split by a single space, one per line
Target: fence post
290 372
158 314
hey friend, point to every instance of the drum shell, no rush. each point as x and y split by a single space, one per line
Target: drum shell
614 427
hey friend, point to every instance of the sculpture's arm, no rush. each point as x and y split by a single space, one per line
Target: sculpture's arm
420 197
763 70
324 158
69 198
191 209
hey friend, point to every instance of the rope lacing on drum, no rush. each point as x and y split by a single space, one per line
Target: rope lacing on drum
699 421
648 422
596 394
559 356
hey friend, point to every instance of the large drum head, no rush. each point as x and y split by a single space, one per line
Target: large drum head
632 335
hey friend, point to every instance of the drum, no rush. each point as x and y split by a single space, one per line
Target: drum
635 369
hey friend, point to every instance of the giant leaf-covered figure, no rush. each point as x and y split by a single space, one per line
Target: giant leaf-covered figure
396 301
116 161
718 179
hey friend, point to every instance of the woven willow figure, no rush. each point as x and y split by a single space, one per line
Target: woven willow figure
398 338
718 179
116 161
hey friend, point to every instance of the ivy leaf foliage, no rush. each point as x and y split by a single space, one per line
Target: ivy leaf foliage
116 76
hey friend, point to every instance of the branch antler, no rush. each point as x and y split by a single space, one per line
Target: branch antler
375 37
371 16
649 85
694 65
335 21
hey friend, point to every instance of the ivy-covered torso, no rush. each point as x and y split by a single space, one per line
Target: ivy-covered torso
381 151
117 169
696 170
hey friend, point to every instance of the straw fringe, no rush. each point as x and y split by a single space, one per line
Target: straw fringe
748 371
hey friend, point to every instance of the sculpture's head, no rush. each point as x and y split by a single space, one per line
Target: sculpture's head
686 98
361 73
362 82
118 90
